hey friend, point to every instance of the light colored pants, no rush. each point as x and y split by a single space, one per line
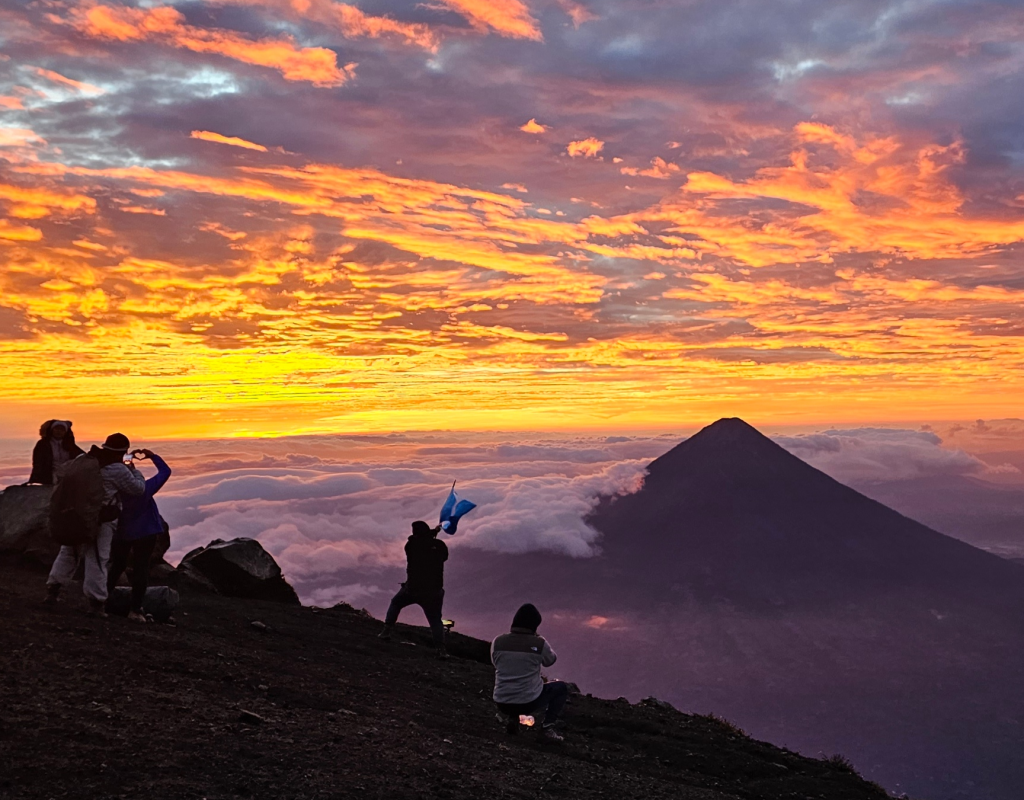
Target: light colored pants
97 559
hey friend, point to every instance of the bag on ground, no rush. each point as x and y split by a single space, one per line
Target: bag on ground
76 503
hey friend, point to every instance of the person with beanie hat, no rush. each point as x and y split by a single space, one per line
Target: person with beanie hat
118 479
424 584
518 686
55 449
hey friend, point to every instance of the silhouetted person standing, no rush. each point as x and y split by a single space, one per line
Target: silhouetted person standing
55 449
518 686
424 584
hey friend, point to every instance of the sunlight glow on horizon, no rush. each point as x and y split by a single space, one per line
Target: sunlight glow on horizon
401 258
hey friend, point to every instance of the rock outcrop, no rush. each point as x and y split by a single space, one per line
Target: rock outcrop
237 568
25 523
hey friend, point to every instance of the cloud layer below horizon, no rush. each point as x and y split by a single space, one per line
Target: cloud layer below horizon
512 213
335 511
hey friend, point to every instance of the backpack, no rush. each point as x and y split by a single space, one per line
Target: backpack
76 503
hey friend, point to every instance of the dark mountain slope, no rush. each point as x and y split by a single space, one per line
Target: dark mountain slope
103 709
729 514
742 580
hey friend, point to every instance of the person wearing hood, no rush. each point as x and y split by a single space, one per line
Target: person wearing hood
119 479
137 531
518 686
55 449
424 584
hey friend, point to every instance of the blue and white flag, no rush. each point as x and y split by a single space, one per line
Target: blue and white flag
453 510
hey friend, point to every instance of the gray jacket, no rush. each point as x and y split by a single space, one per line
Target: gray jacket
120 478
517 658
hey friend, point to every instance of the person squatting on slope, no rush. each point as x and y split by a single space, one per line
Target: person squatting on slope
136 535
118 479
55 449
518 687
424 583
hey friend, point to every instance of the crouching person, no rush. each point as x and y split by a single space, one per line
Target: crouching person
83 517
518 687
136 536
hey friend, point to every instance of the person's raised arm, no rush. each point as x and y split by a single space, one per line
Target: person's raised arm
547 655
163 472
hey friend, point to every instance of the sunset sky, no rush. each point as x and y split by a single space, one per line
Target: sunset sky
268 217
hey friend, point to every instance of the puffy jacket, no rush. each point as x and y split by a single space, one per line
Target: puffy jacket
139 515
517 658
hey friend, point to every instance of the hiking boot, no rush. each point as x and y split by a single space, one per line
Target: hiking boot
442 653
96 609
385 635
549 733
52 593
135 616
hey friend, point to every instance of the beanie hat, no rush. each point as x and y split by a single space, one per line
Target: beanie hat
118 442
527 617
420 528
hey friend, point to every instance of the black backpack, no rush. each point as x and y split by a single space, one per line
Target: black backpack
76 503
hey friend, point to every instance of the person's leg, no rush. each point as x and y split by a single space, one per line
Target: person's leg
553 695
142 550
398 602
432 610
119 551
62 571
97 559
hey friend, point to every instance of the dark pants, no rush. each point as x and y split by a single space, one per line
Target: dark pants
552 696
430 602
137 553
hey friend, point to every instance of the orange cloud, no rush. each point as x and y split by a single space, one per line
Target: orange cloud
509 18
78 86
873 195
32 202
350 20
209 136
11 103
156 212
577 12
164 24
533 127
659 169
585 148
19 233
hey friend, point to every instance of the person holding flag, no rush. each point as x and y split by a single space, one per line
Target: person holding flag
425 558
424 584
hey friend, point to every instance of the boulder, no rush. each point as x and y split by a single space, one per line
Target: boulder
25 523
237 568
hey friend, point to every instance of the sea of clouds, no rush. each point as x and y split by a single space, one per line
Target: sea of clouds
335 510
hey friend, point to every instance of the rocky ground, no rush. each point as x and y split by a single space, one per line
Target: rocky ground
314 706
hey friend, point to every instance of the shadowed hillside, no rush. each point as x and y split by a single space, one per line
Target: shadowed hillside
314 706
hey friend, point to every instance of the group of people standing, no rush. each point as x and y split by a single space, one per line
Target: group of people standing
128 522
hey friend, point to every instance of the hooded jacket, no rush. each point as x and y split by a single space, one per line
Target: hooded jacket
43 454
425 563
517 658
139 515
